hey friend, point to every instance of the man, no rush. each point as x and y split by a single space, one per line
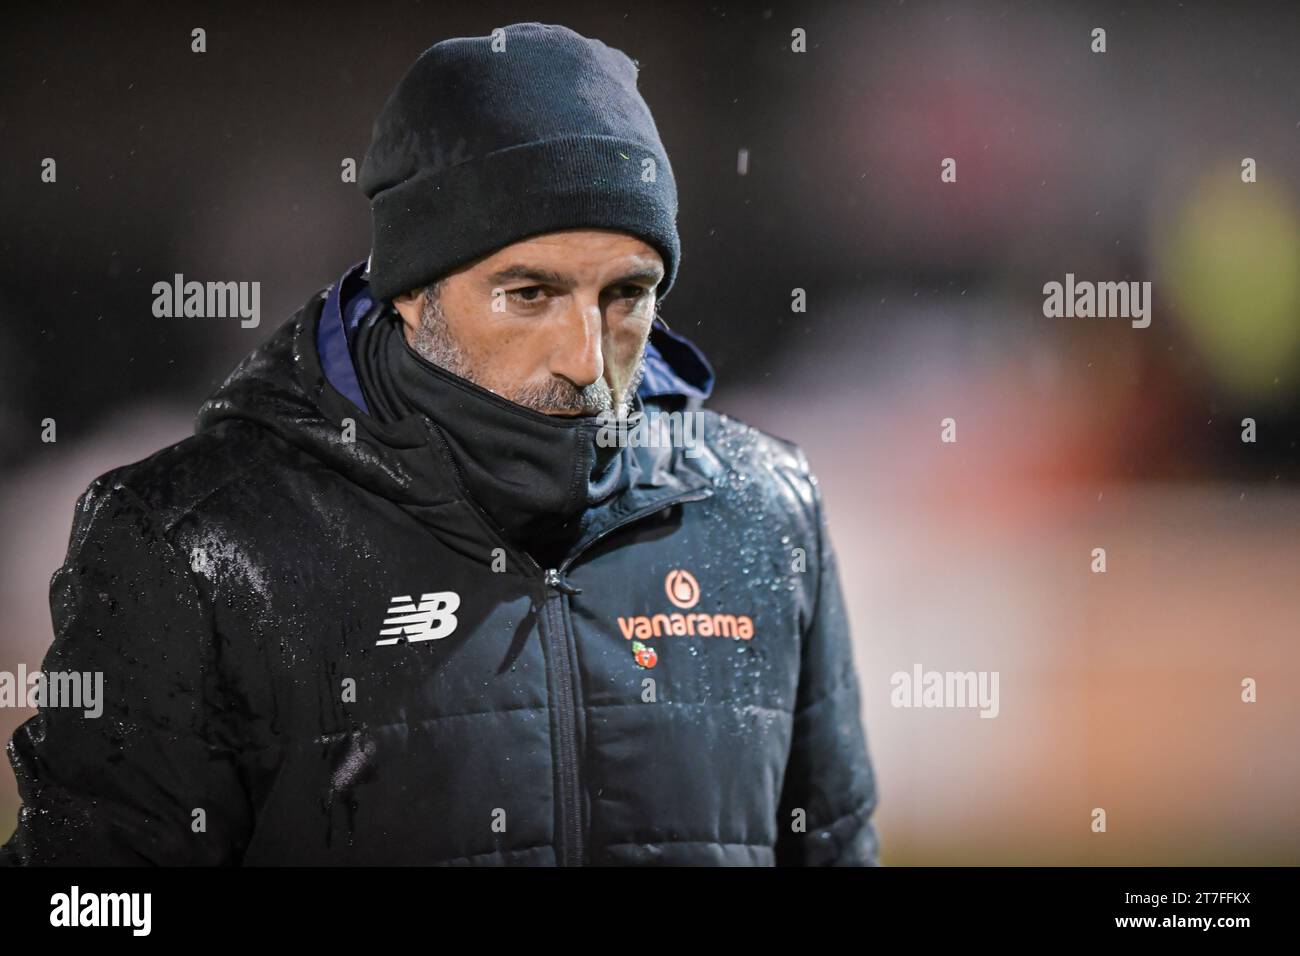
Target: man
406 597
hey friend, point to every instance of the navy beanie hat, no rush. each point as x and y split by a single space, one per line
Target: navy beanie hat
490 140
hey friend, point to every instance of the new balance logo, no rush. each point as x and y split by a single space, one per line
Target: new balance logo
433 618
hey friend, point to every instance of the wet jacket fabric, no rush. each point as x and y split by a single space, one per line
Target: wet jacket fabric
316 650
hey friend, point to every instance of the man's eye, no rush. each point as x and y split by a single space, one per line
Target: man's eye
632 291
530 293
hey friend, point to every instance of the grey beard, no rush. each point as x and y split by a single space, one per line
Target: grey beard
434 343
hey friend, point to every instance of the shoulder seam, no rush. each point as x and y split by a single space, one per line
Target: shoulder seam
182 511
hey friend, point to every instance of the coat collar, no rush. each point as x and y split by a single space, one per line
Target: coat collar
283 386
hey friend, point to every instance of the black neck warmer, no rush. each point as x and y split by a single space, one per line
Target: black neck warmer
534 475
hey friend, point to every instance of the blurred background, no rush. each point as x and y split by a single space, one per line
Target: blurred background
1119 690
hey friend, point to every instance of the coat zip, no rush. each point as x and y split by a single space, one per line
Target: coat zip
570 847
571 851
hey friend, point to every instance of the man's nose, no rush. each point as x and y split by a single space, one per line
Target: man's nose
577 354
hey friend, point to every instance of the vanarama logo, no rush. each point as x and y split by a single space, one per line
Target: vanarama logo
683 592
682 589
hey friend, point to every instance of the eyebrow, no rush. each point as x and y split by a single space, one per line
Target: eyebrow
550 277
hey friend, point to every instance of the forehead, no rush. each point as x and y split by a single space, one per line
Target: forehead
575 251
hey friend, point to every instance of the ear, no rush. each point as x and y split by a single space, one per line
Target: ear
409 305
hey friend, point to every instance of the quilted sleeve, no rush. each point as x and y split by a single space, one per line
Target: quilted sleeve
152 778
829 775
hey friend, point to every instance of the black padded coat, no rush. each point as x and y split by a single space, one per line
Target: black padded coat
318 651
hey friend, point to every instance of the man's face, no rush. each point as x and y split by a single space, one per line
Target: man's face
556 323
